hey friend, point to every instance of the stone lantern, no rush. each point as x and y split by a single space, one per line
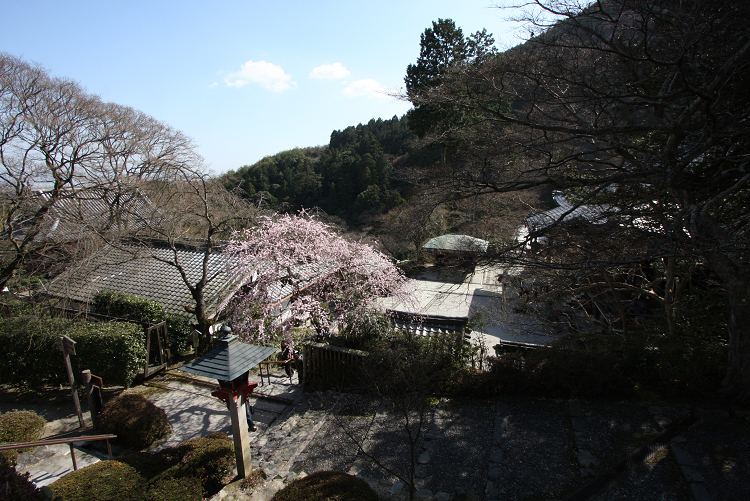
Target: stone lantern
230 363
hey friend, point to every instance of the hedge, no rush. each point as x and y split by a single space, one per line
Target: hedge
121 305
179 329
115 351
191 471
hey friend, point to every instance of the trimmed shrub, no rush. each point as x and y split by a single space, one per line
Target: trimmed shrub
121 305
14 485
103 481
209 458
136 421
179 329
114 351
19 426
192 471
173 489
327 485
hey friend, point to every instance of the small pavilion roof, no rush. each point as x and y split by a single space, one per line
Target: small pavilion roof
229 360
457 243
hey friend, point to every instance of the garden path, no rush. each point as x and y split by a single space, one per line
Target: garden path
512 448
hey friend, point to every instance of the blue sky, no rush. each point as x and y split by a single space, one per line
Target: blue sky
244 79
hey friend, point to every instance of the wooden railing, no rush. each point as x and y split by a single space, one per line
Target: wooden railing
326 366
70 441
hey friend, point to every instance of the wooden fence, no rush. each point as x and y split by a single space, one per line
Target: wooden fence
326 366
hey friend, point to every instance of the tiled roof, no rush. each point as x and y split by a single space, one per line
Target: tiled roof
427 325
589 213
102 211
141 271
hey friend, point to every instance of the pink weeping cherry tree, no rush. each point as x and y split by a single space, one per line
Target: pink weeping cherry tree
296 270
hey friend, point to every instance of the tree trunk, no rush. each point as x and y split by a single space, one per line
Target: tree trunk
736 277
734 271
737 381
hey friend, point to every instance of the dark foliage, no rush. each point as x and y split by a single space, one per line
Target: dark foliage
609 367
327 485
113 350
121 305
16 486
179 329
352 176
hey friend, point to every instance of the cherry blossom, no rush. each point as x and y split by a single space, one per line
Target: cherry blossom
296 270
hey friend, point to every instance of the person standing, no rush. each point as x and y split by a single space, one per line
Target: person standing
287 355
249 412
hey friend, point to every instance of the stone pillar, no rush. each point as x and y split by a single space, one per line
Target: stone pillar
240 435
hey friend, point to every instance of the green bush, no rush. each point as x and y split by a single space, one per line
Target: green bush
136 421
115 351
327 486
191 471
121 305
16 427
179 329
14 485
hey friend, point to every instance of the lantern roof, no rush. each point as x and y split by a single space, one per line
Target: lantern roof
230 359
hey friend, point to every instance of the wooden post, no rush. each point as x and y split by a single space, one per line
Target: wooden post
73 456
93 395
67 346
240 435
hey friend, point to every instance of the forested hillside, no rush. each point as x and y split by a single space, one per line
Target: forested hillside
351 176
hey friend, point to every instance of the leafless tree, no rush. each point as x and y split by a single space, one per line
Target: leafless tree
637 107
61 149
400 378
190 210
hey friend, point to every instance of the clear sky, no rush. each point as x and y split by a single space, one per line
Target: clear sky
244 79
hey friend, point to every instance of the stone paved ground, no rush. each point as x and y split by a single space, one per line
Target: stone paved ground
514 448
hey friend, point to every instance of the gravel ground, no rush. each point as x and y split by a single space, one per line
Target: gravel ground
720 444
540 457
529 449
459 458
